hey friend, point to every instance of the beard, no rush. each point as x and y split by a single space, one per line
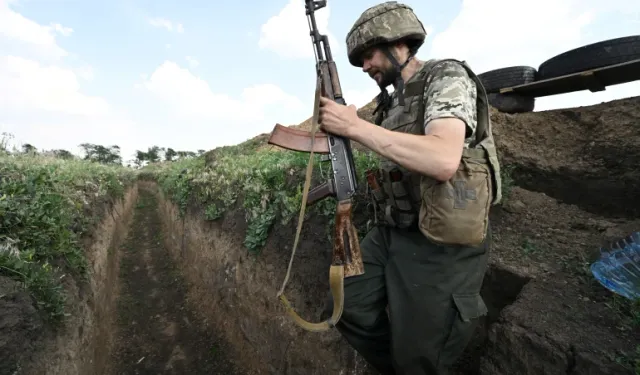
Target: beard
388 77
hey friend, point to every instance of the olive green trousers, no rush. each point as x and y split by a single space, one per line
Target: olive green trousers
433 295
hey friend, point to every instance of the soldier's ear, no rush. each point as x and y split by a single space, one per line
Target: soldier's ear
396 49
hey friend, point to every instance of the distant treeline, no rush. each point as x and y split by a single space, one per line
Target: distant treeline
104 154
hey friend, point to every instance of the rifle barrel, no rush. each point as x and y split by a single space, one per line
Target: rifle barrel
313 27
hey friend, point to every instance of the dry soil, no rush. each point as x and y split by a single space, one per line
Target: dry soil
157 333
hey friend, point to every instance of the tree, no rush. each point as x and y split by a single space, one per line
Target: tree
63 154
186 154
4 142
101 154
153 154
29 149
170 154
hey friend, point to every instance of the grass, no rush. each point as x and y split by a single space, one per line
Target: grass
46 206
506 178
265 184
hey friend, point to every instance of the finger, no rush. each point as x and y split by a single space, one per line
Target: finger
326 114
321 113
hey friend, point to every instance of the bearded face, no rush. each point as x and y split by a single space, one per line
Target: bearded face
379 68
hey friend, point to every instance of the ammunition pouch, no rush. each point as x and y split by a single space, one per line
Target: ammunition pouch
395 197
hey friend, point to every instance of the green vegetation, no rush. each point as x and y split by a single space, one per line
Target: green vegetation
47 203
628 359
267 184
506 176
50 199
155 154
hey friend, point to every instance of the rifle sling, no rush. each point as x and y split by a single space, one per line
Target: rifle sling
336 272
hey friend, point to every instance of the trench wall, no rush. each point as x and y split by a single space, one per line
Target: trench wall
82 347
237 293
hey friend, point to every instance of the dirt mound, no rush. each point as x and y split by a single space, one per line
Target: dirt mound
588 156
563 321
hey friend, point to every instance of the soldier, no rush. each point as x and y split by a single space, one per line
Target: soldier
438 177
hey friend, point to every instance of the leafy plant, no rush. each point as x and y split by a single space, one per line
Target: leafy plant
265 183
47 204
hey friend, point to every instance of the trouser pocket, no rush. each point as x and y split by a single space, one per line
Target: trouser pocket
468 308
469 305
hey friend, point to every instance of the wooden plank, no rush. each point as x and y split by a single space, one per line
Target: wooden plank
593 80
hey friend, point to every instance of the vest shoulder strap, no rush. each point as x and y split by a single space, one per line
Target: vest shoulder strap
417 86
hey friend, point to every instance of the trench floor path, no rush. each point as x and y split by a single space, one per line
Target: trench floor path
156 333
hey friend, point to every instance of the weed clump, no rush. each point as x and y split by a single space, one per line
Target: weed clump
267 184
46 205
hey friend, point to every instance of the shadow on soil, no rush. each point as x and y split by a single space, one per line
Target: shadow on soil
157 333
500 289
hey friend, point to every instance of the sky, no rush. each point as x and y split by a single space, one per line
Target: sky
204 74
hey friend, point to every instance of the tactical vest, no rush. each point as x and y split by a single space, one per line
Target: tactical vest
451 212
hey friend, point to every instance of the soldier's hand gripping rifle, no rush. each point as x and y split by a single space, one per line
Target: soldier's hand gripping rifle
346 259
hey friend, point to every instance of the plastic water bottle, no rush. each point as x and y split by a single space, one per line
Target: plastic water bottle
618 268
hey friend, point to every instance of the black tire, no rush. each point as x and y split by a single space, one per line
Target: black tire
511 103
494 80
591 56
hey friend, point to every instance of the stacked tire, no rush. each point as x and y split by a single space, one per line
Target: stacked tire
590 56
494 80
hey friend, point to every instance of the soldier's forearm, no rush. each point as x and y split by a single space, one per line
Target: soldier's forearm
436 154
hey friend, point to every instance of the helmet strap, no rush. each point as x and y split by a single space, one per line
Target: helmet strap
399 81
383 99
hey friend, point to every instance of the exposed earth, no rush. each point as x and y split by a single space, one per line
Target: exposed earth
571 187
193 301
157 331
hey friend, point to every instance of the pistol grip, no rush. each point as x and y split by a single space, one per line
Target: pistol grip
320 192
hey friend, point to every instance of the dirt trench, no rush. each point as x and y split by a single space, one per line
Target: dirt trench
188 285
572 178
130 317
30 346
574 174
543 317
156 331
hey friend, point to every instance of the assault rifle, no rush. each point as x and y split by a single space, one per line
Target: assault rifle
346 259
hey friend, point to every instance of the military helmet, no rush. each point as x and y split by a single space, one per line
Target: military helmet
384 23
